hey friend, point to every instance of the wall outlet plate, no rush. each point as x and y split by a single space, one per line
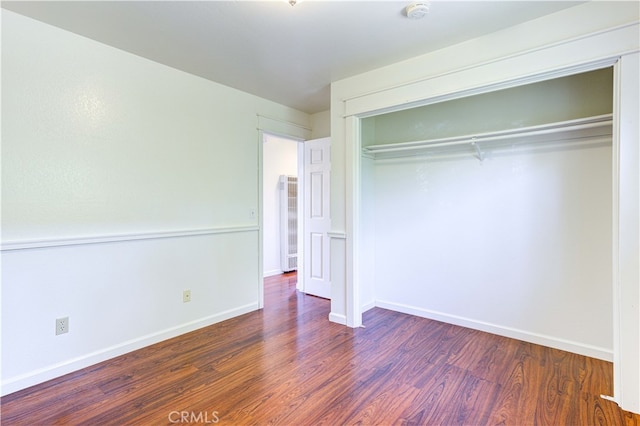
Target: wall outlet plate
62 325
186 296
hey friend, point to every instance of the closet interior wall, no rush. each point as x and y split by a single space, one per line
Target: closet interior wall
516 241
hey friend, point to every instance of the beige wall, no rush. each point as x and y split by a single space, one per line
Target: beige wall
124 182
321 124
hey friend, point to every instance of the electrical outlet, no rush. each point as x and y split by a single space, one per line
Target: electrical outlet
186 296
62 325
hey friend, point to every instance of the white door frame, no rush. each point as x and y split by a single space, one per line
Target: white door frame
288 130
300 285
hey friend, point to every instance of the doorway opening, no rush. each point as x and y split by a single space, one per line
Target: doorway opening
308 163
280 157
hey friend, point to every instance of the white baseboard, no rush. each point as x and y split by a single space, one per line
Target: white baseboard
338 318
369 305
272 273
527 336
42 375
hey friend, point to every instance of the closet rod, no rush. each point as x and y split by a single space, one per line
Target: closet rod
567 126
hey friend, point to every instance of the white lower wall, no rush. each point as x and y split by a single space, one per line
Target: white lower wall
118 296
519 244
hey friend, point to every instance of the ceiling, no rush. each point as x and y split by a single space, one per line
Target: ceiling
270 49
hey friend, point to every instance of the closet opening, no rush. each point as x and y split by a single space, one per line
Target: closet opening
494 212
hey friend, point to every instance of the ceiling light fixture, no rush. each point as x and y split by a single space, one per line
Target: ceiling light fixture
417 10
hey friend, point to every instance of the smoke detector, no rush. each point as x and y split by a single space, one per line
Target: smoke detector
417 10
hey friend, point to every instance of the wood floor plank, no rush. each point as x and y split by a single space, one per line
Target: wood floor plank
288 365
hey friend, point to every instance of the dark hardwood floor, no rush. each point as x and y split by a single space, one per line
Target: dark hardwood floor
288 365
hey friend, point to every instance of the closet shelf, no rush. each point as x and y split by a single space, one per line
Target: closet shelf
578 129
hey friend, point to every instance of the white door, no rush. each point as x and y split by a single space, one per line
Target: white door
317 221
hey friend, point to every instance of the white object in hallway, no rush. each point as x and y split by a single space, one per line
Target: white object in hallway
288 223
